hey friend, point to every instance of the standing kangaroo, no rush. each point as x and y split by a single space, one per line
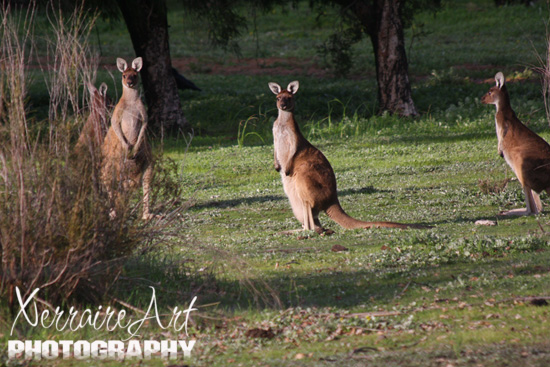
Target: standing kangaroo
308 179
127 157
94 130
525 152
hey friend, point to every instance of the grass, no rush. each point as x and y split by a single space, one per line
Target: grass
456 294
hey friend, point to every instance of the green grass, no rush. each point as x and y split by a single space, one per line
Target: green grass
454 294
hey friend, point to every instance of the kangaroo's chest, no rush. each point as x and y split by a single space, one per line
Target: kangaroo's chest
131 124
284 141
506 144
500 134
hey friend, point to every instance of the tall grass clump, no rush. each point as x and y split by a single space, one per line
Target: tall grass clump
543 67
71 63
55 228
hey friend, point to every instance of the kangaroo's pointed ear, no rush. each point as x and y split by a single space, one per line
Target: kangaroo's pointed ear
275 88
499 79
293 87
91 88
137 64
103 89
121 64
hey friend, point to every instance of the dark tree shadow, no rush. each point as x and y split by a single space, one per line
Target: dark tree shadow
231 203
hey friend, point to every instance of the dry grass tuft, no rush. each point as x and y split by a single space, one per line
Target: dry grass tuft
492 187
55 229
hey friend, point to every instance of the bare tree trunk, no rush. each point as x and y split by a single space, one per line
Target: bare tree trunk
148 26
383 23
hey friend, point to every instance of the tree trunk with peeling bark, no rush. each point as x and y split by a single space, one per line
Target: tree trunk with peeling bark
148 27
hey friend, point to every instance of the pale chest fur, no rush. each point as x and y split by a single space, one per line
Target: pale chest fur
132 120
285 142
504 152
499 135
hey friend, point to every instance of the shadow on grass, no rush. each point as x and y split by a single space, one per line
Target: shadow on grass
362 190
527 353
231 203
288 286
434 139
493 217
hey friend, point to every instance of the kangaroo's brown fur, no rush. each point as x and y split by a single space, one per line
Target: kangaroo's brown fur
525 152
93 133
127 157
308 178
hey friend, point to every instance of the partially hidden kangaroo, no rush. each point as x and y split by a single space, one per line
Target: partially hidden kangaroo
308 178
525 152
93 133
127 157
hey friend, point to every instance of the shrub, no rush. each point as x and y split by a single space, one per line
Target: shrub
55 229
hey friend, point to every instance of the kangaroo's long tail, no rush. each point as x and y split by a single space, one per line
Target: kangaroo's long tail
337 214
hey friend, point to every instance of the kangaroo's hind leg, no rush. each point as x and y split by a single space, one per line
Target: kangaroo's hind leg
309 219
532 199
146 183
317 225
532 203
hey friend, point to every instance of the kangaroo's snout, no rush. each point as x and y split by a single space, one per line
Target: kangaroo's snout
130 78
285 104
285 101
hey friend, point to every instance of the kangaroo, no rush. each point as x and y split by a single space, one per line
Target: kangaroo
525 152
94 130
308 179
127 157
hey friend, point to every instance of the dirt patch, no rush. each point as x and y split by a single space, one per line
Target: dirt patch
227 66
251 66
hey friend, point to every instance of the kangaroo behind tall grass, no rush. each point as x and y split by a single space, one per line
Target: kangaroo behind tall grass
93 133
127 157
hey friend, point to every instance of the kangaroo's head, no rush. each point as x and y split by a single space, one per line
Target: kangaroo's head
98 97
130 76
285 98
497 95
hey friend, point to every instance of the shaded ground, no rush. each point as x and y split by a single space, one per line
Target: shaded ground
229 66
279 66
252 66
